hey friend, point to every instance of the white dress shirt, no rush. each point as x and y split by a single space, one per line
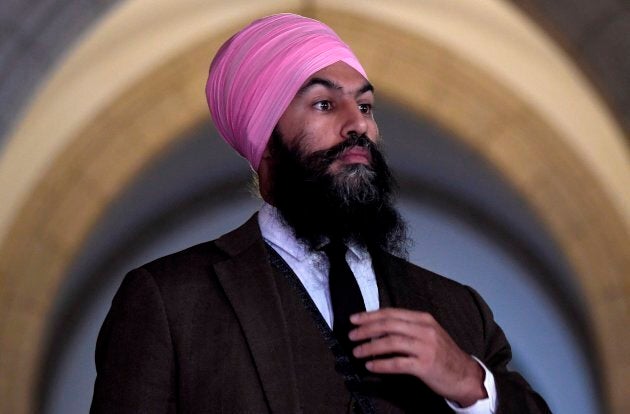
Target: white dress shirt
311 267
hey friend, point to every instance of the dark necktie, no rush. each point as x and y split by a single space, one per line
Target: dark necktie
345 294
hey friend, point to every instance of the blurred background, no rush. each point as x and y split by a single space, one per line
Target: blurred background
507 123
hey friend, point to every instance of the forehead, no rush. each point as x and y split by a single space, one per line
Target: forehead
339 76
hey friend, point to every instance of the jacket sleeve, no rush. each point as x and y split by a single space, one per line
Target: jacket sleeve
134 352
514 394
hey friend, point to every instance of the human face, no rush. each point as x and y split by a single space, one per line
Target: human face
355 203
331 105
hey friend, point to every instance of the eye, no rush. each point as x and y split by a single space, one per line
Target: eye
323 106
365 108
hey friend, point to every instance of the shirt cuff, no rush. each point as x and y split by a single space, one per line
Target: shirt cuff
487 405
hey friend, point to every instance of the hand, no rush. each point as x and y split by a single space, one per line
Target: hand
413 343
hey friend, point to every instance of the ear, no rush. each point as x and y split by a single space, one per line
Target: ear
264 175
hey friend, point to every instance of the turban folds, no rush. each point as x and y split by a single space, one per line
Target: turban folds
258 71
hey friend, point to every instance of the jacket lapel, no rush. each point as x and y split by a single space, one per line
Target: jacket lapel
400 286
248 281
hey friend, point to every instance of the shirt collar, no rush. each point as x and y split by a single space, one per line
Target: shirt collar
276 232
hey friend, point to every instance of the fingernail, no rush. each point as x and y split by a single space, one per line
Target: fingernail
355 317
369 365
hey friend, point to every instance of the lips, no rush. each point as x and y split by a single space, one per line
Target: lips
356 155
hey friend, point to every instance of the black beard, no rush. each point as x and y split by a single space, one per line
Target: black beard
353 204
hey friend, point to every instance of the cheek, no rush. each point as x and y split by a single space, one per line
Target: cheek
373 132
291 123
318 136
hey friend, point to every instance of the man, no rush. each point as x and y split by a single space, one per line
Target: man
306 307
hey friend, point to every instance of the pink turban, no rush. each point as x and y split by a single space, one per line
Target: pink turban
258 71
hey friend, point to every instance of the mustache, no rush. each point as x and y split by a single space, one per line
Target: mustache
354 140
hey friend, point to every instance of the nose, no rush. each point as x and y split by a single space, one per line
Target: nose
354 121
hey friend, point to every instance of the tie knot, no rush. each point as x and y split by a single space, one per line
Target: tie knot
335 250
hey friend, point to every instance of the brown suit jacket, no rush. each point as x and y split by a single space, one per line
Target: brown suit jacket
204 331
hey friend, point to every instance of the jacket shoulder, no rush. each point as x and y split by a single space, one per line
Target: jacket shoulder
194 258
199 260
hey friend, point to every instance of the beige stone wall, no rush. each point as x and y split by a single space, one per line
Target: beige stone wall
432 58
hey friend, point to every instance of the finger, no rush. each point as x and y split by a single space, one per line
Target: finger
389 345
392 313
384 327
396 365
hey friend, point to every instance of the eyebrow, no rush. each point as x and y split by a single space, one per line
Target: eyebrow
367 87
